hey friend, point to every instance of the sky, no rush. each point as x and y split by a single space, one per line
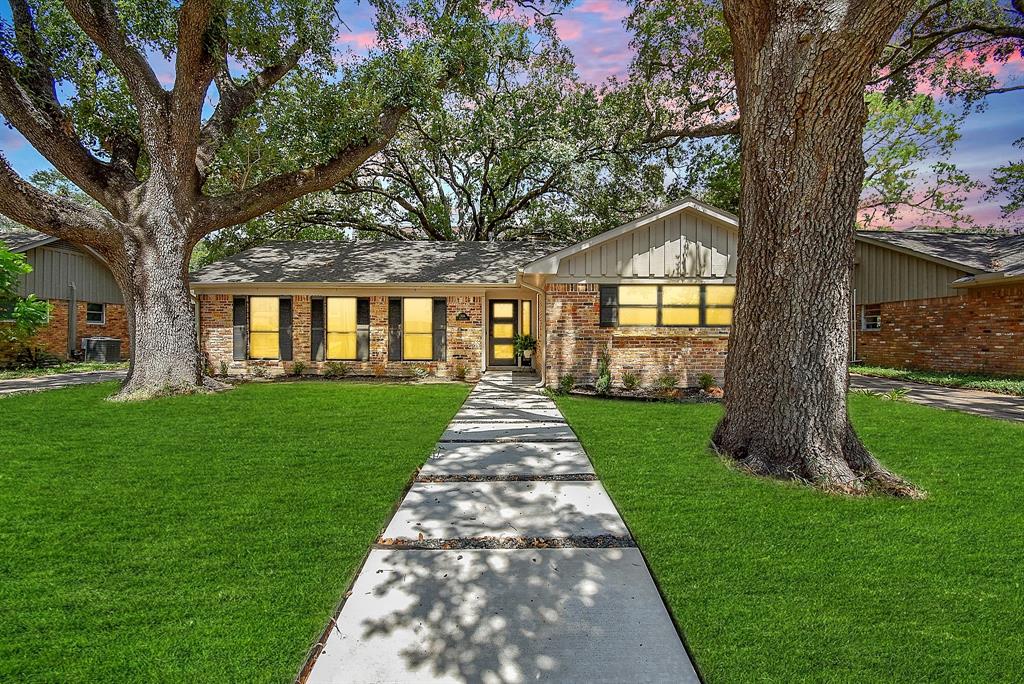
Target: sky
594 30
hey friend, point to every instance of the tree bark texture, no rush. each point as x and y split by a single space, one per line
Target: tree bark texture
801 69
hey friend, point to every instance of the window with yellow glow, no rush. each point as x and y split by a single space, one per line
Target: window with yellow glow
718 303
418 329
264 328
341 328
638 305
526 318
680 305
667 305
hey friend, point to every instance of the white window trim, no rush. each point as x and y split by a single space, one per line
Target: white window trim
103 314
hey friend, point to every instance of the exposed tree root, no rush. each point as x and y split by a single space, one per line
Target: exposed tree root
129 392
847 469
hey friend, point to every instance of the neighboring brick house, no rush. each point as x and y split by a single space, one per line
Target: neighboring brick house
950 302
74 279
655 295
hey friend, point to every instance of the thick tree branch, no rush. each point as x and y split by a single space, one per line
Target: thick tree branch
57 216
52 135
235 99
196 64
99 20
712 130
221 212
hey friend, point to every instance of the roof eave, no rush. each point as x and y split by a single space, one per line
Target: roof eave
920 255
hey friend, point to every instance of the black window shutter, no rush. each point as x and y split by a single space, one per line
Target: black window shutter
440 329
395 329
239 328
363 329
285 328
609 305
316 329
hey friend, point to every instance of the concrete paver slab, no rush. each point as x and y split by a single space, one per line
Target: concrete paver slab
461 510
508 459
475 414
507 432
550 615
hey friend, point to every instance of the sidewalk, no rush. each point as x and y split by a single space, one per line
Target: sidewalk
506 562
988 404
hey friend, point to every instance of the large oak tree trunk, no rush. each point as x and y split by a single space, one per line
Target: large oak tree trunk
152 270
801 69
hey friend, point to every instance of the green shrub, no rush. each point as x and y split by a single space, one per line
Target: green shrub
566 383
259 372
666 382
298 368
420 372
333 369
630 380
604 375
224 368
707 381
460 372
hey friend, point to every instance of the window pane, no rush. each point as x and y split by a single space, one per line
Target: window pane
638 294
263 314
629 315
264 345
526 315
720 295
680 295
418 315
503 330
504 310
721 316
680 316
503 351
341 345
418 346
341 314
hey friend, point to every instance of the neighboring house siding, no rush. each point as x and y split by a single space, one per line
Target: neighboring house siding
464 339
980 331
887 275
56 265
576 341
683 245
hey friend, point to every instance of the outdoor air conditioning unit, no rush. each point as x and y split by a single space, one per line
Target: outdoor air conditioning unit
102 349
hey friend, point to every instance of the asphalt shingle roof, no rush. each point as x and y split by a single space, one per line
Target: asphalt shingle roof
987 252
23 240
376 262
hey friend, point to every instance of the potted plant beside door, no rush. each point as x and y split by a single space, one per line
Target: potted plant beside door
524 346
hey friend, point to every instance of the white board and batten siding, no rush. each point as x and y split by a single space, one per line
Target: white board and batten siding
57 265
683 245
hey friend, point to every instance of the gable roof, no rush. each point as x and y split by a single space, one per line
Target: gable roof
985 256
549 263
24 240
484 263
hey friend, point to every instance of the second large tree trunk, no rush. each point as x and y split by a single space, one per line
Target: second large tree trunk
801 69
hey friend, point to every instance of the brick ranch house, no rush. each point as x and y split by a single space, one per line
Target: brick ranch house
71 279
948 302
654 294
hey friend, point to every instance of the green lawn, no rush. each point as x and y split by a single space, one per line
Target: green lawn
201 539
991 383
776 582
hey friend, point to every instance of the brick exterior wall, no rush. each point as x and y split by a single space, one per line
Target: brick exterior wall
981 331
465 340
575 339
53 337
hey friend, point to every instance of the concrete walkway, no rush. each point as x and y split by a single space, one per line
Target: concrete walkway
57 381
989 404
506 562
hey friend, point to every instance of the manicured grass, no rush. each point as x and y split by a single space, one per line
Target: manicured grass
200 539
992 383
83 367
776 582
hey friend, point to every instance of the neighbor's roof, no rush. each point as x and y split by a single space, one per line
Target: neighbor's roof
376 262
24 240
986 256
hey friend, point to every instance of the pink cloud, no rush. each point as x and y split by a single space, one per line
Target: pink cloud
608 10
358 40
569 29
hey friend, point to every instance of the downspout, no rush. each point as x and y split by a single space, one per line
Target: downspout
542 327
72 319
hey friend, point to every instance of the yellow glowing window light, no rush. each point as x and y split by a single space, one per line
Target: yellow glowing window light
680 305
341 328
526 318
719 300
264 330
638 305
418 329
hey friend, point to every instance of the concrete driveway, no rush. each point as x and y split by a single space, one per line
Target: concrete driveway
988 404
57 381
